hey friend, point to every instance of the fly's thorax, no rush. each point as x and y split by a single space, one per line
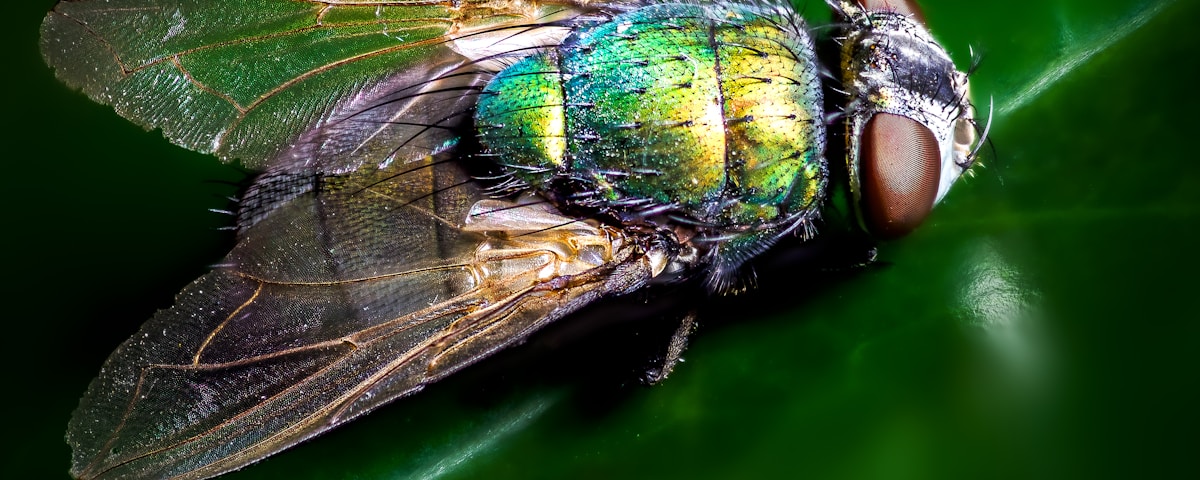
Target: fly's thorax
910 124
711 114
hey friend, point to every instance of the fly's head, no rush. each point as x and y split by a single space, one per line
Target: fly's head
910 128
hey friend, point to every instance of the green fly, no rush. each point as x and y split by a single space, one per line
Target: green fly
440 179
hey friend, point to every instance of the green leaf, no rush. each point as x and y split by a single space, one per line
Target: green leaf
1040 326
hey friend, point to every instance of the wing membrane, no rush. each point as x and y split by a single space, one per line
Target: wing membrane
342 299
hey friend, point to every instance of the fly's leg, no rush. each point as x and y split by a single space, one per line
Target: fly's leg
675 348
860 259
832 253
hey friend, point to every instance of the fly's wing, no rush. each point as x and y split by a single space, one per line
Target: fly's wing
346 297
246 79
360 273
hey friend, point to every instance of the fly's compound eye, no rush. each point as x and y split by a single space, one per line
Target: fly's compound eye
900 174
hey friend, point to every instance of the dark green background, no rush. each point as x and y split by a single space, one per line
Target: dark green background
1041 325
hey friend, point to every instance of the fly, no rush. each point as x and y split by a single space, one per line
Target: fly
379 249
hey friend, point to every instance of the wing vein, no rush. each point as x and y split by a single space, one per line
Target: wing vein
221 326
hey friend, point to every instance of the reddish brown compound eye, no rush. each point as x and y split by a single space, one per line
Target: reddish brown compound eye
900 168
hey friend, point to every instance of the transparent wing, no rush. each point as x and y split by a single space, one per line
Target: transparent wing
246 79
348 296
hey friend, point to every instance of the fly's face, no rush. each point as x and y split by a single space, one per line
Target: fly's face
374 252
910 127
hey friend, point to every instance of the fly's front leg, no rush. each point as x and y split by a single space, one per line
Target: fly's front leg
675 348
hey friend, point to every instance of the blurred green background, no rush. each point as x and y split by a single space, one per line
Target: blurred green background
1040 326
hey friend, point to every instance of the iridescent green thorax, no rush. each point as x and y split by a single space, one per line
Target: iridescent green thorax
711 115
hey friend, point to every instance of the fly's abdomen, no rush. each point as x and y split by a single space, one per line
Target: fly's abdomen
713 113
773 115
